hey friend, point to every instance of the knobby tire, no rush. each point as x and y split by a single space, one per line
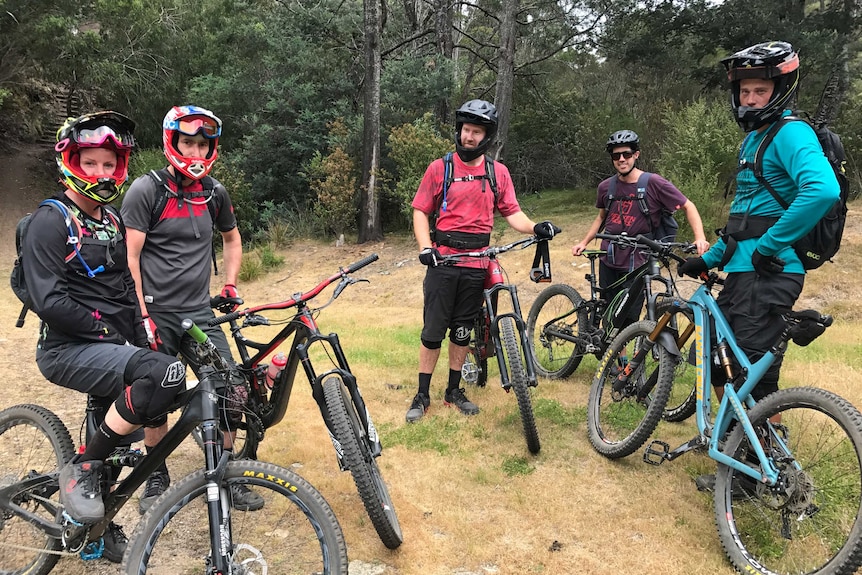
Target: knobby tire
295 532
557 306
362 464
518 379
619 427
811 522
32 440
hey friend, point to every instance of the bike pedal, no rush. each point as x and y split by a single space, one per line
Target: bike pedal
655 456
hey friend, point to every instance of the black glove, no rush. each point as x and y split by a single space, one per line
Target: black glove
767 265
691 267
429 257
545 230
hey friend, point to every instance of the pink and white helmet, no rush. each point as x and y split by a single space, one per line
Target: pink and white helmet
190 120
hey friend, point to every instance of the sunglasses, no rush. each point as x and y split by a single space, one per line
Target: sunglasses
617 155
99 135
192 127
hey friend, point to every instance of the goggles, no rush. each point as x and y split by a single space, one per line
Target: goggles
194 126
95 137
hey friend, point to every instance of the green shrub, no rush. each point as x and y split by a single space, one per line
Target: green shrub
332 179
698 156
411 148
268 258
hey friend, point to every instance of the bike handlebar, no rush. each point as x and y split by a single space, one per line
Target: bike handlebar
301 297
489 252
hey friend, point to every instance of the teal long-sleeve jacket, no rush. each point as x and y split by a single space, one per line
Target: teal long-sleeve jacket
795 166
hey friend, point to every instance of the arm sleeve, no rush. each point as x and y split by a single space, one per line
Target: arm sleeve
507 202
225 217
45 268
138 204
427 197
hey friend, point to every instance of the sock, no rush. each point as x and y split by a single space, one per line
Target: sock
425 384
454 379
101 444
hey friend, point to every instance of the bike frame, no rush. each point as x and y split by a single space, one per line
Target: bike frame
733 403
306 332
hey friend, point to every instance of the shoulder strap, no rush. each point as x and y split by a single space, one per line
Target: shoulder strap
161 199
491 176
761 151
448 178
73 229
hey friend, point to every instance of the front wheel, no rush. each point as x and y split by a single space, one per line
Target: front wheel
295 532
518 379
555 327
811 520
619 421
33 442
362 464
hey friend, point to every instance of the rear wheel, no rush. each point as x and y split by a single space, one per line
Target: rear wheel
619 421
556 320
33 443
518 379
811 520
358 458
682 401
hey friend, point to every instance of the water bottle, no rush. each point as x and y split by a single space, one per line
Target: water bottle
276 366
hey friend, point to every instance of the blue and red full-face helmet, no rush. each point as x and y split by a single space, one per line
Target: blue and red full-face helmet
776 61
191 121
110 130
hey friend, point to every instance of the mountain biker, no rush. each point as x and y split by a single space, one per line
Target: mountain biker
453 294
169 255
764 274
91 338
624 215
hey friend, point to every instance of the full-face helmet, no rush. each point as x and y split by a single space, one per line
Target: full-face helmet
623 138
191 121
776 61
477 112
110 130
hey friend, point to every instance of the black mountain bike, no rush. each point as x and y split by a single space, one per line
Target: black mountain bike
564 327
336 392
503 335
191 528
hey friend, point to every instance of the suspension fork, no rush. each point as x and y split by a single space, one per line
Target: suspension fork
659 335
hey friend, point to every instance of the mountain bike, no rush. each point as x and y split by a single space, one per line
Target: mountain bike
564 327
191 528
336 392
503 335
788 489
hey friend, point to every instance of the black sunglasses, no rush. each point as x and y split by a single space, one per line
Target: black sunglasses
617 155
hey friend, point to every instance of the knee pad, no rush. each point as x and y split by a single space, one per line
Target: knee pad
432 344
153 380
460 335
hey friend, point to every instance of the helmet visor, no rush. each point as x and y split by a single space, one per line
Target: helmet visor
96 137
194 126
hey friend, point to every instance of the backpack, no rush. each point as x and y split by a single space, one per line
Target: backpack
823 241
73 227
159 177
667 227
457 239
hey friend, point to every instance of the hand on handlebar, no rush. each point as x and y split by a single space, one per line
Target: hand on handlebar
692 267
430 257
545 230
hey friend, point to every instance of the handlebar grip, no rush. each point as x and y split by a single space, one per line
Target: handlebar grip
225 318
190 328
356 266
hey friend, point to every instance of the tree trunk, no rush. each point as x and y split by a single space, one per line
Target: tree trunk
370 226
505 73
445 51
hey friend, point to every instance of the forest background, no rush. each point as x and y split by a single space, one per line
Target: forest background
333 108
